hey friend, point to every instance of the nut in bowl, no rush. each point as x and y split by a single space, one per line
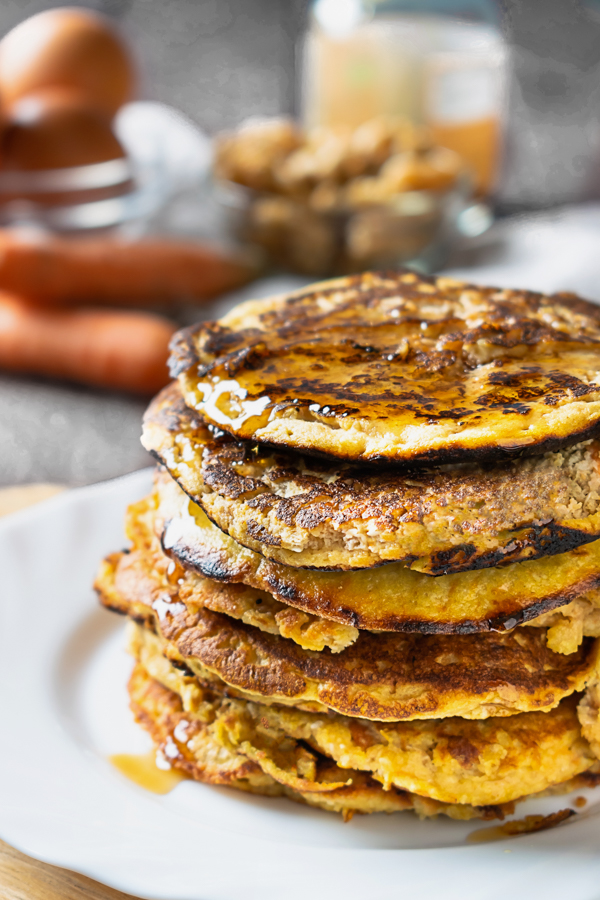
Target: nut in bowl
332 201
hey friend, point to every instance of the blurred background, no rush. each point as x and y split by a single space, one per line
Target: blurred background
217 60
250 146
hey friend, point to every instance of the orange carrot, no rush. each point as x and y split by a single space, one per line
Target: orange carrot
62 270
111 349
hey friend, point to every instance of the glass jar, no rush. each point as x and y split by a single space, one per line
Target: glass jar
439 64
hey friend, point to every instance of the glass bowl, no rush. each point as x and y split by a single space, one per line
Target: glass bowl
415 228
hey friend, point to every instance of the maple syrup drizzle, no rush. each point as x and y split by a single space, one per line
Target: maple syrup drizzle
142 769
487 835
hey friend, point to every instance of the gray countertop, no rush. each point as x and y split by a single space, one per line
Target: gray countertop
65 434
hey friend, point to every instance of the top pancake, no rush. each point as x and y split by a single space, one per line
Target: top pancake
397 367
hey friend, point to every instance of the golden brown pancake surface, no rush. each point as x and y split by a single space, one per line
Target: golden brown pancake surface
387 677
396 366
326 514
147 575
478 763
270 764
387 598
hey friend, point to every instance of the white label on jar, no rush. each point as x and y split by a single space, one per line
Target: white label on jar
462 94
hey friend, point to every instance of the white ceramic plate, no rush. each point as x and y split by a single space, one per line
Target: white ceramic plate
63 710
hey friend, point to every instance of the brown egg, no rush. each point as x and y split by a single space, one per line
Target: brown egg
70 48
54 129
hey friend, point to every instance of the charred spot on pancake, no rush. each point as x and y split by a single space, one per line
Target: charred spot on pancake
211 564
119 610
540 540
182 667
590 779
169 411
461 749
259 532
183 351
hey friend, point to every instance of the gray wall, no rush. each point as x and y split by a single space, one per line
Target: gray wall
553 140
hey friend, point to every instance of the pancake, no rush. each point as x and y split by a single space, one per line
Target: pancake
385 677
589 716
395 366
330 515
481 763
254 607
565 627
196 747
391 597
568 625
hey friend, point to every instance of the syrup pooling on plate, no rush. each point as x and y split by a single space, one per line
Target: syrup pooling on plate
394 366
148 770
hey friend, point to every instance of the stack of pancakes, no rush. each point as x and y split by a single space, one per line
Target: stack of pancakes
368 575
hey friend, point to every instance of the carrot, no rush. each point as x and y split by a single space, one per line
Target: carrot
110 349
62 270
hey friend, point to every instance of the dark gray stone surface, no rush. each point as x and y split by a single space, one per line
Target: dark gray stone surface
64 434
